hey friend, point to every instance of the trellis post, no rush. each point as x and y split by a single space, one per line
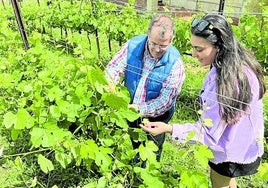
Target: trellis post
20 24
221 6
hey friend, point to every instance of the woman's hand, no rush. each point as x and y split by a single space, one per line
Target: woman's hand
156 128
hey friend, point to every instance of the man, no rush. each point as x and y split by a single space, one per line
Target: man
153 74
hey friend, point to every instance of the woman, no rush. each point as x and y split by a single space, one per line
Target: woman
231 97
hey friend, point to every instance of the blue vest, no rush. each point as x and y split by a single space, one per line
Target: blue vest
136 48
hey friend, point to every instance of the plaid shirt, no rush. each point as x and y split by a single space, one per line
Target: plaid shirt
170 87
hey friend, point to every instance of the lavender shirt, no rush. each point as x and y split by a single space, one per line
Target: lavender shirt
241 142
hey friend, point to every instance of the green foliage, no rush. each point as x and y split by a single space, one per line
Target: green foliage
50 92
194 172
61 124
9 173
263 171
182 36
255 5
252 32
188 101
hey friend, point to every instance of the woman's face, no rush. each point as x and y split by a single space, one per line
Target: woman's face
203 50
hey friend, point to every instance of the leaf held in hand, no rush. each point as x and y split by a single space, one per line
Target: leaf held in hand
145 121
208 122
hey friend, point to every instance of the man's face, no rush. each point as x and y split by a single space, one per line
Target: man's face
158 45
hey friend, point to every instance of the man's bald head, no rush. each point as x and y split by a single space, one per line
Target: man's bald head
163 25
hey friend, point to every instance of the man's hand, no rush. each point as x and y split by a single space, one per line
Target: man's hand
134 106
111 88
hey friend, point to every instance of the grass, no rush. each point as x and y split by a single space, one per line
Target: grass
176 155
10 174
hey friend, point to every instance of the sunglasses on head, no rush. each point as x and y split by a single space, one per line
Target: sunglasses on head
201 24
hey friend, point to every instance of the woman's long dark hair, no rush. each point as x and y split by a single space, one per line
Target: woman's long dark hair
233 88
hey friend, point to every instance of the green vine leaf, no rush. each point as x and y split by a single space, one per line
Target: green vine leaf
55 111
102 182
69 109
263 171
114 101
45 164
96 78
148 152
9 119
62 158
20 120
203 154
15 133
18 163
149 179
36 137
103 159
48 136
129 113
23 119
55 93
118 119
208 122
88 149
25 87
84 95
